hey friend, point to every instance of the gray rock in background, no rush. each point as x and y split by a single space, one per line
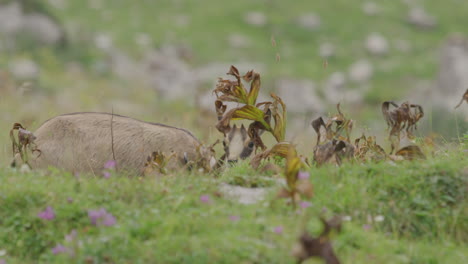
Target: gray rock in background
370 8
452 80
310 21
238 41
327 50
419 17
299 95
361 71
256 18
376 44
42 29
336 89
38 27
24 70
11 18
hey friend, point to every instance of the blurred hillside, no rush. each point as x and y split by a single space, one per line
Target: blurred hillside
159 60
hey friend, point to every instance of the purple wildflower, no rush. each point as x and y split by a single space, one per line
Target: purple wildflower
278 229
107 174
109 220
47 214
95 215
59 249
304 204
70 200
101 216
303 175
70 237
2 261
110 164
205 199
234 218
366 227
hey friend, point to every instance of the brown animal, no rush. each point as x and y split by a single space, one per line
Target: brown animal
84 142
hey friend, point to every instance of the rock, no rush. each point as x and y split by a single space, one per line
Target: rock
243 195
103 41
255 18
170 76
334 87
452 78
326 50
361 71
309 21
11 18
126 67
24 70
370 8
58 4
238 41
143 40
40 28
376 44
336 91
43 29
299 95
418 17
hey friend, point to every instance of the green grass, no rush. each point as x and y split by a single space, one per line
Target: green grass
162 220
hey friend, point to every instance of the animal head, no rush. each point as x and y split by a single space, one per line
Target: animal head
237 144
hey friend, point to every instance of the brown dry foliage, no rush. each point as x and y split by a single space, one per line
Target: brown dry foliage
464 98
334 127
411 152
366 148
296 188
404 116
335 147
262 114
25 141
320 246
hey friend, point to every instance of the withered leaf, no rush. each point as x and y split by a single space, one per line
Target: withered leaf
281 149
157 162
366 148
406 115
26 140
234 72
411 152
220 109
316 125
309 246
333 151
333 127
279 115
465 97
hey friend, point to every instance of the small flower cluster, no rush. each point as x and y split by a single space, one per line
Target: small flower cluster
48 214
108 167
101 217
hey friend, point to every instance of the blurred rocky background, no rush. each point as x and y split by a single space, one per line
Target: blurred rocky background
159 60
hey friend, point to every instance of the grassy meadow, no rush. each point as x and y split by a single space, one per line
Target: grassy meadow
394 212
